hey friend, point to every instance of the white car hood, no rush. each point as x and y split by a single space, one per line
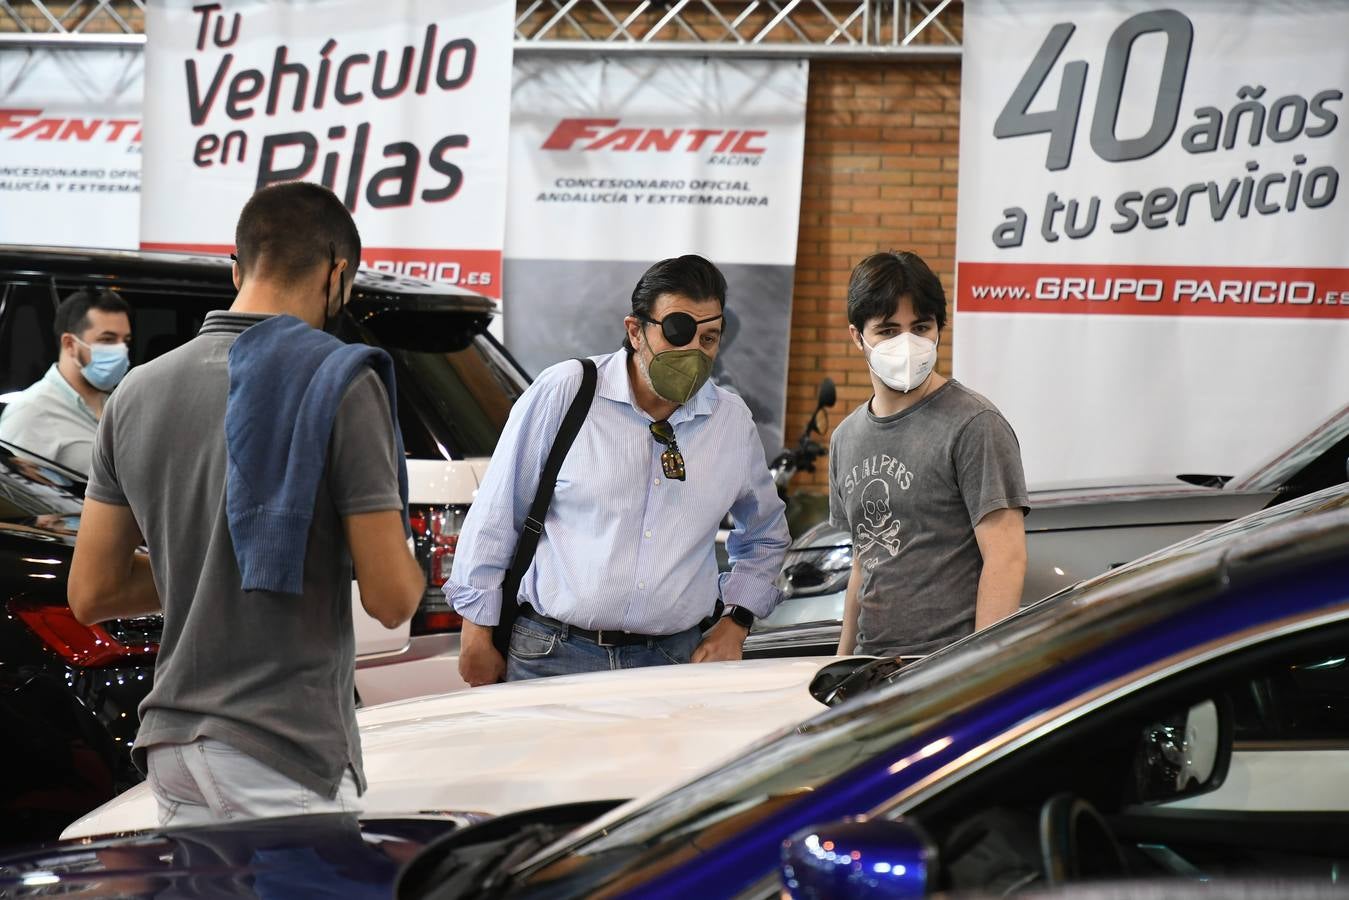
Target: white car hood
608 735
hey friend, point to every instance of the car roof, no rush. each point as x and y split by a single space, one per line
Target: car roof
184 270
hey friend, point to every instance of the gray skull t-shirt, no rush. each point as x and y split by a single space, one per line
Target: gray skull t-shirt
910 488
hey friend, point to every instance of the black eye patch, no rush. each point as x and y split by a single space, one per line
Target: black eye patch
680 328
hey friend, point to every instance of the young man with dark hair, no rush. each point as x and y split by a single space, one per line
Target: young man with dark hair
926 476
625 568
56 417
257 462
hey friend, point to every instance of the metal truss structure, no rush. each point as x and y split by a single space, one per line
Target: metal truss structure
800 29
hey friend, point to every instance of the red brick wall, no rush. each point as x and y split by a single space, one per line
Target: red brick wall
880 174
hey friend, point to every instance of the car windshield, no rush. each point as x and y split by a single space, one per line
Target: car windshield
782 767
1328 442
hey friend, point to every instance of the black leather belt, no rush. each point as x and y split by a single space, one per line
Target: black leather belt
602 637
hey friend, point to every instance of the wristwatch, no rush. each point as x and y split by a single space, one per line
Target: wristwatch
740 616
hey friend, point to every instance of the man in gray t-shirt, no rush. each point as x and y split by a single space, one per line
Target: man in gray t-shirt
926 476
252 711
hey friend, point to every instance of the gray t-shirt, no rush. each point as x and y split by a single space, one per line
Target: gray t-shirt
910 488
269 674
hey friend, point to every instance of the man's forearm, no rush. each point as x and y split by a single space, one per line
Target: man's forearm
134 594
847 641
1000 586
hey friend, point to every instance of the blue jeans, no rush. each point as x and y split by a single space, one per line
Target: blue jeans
539 650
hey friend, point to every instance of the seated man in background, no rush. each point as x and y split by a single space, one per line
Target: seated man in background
56 417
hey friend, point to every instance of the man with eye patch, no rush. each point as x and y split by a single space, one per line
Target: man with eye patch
625 569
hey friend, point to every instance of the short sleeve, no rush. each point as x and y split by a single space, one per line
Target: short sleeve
362 455
838 511
988 466
103 483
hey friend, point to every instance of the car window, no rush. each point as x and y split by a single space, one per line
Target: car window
1303 700
27 344
454 405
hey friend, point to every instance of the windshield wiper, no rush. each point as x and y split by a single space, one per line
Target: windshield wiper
844 680
478 861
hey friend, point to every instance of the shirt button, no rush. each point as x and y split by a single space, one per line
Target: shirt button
641 585
657 481
648 534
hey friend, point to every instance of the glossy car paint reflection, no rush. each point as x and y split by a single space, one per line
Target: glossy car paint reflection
614 734
308 856
876 859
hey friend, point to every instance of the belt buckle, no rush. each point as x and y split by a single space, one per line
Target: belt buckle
600 641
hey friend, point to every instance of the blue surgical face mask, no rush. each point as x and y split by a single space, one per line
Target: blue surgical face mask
107 364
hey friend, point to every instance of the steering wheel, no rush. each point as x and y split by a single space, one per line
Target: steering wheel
1076 843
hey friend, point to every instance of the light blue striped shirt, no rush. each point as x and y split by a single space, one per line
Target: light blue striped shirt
623 547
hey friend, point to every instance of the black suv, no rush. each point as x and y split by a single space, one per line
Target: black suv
68 694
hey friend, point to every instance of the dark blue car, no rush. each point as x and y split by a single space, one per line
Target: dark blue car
1185 717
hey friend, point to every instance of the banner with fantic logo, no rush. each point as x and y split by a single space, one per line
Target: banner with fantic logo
619 163
401 107
70 147
1152 272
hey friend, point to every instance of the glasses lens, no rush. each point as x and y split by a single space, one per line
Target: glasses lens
679 328
663 432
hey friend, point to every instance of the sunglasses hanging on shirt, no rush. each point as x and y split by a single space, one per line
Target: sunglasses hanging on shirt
671 460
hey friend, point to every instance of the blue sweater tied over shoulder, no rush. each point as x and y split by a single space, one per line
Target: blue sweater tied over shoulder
287 381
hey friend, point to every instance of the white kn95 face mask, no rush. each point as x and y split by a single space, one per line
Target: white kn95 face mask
902 362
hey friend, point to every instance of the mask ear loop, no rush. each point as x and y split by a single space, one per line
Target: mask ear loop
329 318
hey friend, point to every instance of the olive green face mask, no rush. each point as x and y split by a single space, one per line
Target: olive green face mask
676 375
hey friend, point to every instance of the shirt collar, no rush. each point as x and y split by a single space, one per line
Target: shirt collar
57 382
222 321
613 384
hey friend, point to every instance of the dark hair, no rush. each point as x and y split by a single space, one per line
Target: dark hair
689 276
72 315
286 230
880 280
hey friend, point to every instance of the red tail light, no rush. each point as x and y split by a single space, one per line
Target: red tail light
87 646
436 533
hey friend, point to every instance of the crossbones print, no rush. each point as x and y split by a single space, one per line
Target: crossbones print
880 527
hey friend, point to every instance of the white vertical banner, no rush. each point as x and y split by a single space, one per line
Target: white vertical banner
402 108
1151 265
618 163
70 147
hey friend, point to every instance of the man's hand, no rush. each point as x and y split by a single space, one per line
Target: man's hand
479 660
724 642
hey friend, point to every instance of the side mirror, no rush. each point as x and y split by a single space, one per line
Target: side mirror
856 858
828 395
1183 755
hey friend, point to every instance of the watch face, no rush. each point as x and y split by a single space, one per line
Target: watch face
741 616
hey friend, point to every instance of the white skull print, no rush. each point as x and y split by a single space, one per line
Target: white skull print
880 525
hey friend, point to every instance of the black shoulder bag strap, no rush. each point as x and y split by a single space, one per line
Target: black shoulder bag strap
538 511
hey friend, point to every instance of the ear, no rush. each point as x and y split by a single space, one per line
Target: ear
68 345
338 279
634 328
856 337
237 275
